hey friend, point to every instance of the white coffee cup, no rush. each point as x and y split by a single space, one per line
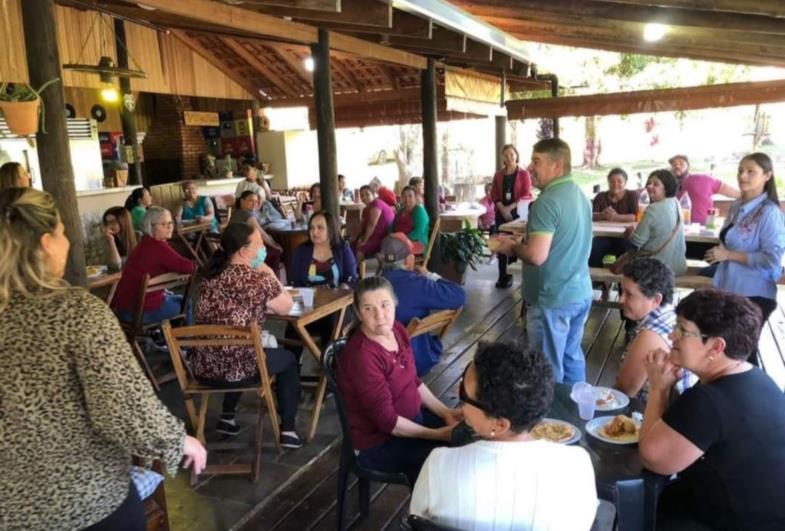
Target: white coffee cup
307 295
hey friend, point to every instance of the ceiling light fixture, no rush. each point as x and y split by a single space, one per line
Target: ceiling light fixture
110 94
653 32
309 64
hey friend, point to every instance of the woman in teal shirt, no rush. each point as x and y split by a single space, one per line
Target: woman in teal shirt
137 204
196 207
412 220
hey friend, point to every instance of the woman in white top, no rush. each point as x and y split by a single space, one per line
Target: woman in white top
507 480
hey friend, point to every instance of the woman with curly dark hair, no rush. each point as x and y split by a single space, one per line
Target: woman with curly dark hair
725 438
507 480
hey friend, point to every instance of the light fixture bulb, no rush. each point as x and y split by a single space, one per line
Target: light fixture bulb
653 32
309 64
110 94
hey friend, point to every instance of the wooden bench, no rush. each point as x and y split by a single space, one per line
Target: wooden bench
605 276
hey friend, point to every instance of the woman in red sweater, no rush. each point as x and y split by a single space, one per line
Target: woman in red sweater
152 256
395 419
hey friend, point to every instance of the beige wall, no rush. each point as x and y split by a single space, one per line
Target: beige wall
293 157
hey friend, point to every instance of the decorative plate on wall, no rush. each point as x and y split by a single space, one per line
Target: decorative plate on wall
98 113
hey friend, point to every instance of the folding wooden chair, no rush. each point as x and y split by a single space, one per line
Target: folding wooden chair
137 327
437 322
216 336
423 259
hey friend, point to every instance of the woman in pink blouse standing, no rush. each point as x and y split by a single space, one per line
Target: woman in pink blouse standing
395 419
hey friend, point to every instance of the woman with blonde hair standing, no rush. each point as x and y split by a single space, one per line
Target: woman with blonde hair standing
74 402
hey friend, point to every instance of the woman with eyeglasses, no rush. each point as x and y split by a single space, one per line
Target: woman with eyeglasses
725 437
507 479
152 256
395 419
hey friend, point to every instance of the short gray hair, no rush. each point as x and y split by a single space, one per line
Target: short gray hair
391 266
151 217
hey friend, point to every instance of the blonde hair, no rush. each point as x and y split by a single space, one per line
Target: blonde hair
26 214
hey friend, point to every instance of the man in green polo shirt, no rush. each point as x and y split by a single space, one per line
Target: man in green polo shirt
555 254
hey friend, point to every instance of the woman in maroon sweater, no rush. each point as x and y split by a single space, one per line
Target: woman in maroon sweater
152 256
395 419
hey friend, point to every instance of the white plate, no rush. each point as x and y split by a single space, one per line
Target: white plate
594 425
620 400
576 432
96 270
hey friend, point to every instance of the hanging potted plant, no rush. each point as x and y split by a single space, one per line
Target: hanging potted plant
21 106
457 251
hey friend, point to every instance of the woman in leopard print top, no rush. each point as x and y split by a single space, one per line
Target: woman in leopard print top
74 404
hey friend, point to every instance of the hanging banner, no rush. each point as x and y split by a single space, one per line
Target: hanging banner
202 119
473 93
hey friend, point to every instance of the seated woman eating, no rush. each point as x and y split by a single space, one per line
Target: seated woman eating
239 289
507 479
615 204
412 220
377 217
660 234
247 211
119 237
395 419
725 438
152 256
196 207
646 297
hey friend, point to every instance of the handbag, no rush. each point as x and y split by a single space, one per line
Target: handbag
618 266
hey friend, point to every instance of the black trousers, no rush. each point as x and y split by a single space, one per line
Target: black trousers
602 245
283 365
128 517
503 259
767 307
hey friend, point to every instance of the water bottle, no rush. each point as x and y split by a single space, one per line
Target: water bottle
290 217
643 202
686 207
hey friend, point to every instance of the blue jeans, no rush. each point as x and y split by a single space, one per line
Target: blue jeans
558 332
168 309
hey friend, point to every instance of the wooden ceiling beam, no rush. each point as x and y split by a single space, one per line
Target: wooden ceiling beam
197 47
261 68
347 74
442 40
772 8
295 63
604 10
403 24
348 100
268 26
355 12
333 6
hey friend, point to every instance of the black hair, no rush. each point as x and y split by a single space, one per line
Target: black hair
234 237
617 171
668 181
333 229
410 188
242 197
515 382
363 187
314 186
364 286
652 277
133 199
727 315
764 162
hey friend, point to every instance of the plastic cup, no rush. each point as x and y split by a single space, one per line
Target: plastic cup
586 398
307 295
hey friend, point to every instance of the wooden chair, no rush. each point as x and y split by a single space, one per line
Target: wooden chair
216 336
224 215
423 259
437 322
136 328
155 512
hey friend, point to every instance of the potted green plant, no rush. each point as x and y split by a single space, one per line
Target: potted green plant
457 251
21 106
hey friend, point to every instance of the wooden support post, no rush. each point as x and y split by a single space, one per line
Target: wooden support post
325 122
54 155
501 124
130 139
256 110
430 171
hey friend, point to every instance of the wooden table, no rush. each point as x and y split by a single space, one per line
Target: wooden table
105 280
452 220
613 229
289 237
326 302
619 474
186 231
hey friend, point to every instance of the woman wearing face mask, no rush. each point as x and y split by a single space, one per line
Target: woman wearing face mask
238 289
75 404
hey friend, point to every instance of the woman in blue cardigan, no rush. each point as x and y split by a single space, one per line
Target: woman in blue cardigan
325 260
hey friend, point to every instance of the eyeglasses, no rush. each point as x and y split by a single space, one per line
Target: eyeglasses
466 399
165 224
680 332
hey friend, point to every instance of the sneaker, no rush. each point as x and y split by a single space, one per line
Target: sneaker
227 429
505 281
291 441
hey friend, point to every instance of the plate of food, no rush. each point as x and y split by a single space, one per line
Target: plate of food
620 429
610 399
556 431
96 270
